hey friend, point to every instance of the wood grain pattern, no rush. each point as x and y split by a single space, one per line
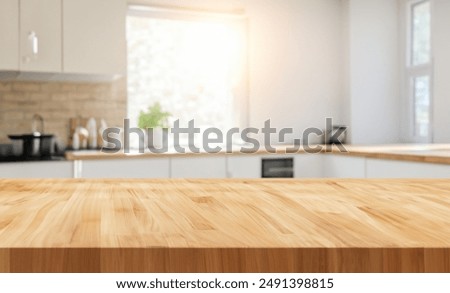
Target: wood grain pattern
422 153
430 153
134 154
4 261
280 225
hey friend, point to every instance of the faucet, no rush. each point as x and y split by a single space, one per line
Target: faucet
37 119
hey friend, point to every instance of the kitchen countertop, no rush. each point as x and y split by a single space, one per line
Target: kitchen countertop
278 225
17 159
120 154
428 153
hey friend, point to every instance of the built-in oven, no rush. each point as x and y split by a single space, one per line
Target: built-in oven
277 168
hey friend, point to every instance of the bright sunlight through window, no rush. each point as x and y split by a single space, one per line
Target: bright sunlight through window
190 67
419 70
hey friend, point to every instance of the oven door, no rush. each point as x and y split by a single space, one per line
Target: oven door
277 168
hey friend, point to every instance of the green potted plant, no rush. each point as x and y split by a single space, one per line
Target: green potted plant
157 120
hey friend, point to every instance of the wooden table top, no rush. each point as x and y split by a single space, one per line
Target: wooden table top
278 213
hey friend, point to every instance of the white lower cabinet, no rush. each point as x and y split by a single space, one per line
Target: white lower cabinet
200 166
220 166
377 168
125 168
342 166
244 166
308 166
63 169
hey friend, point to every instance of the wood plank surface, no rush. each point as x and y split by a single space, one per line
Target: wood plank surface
279 225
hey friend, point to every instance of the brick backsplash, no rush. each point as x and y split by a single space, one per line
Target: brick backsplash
57 102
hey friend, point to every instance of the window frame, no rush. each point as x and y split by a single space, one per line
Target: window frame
411 72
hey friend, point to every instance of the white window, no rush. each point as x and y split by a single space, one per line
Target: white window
419 70
193 64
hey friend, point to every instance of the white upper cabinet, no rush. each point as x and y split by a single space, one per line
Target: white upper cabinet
80 38
40 36
9 35
94 36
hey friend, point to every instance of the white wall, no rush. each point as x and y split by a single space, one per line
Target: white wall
295 62
441 47
312 59
295 66
373 72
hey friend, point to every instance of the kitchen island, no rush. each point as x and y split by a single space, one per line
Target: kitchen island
278 225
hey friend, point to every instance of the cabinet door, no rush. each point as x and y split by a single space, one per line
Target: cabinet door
40 35
341 166
37 170
94 36
402 169
125 168
308 166
244 166
9 35
198 167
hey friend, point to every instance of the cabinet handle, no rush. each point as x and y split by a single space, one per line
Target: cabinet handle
34 42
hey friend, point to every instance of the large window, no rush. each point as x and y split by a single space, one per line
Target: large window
419 69
193 65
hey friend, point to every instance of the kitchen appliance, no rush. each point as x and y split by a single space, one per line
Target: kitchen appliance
277 168
33 144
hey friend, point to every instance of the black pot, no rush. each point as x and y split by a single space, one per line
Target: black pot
35 144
